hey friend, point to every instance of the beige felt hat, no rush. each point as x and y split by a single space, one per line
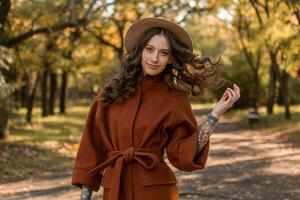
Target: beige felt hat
138 27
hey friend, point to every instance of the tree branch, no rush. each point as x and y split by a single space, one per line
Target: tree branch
102 40
4 10
16 40
57 27
257 13
246 52
196 10
88 12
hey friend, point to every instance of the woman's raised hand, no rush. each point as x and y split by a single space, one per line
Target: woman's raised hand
230 96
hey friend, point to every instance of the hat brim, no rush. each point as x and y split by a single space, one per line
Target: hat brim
140 26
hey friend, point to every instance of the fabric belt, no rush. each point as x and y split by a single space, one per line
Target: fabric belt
118 158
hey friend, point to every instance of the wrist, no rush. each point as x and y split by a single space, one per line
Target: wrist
210 121
214 114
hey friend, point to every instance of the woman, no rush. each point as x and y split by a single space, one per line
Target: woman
145 110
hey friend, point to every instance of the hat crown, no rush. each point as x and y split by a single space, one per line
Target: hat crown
136 30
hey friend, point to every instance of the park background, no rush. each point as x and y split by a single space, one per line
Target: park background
55 55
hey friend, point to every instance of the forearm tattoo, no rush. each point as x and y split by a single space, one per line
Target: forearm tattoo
86 193
205 130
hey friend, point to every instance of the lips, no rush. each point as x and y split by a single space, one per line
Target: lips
152 66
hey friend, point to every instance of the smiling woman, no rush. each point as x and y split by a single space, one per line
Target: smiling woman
159 50
144 111
156 56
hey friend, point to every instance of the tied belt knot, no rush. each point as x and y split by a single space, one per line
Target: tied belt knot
128 155
147 158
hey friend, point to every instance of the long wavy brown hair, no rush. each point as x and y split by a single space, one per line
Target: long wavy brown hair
187 71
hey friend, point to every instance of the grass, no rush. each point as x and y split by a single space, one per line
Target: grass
48 146
45 147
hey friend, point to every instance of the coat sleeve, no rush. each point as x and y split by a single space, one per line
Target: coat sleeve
182 144
90 152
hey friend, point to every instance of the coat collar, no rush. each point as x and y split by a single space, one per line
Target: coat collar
149 80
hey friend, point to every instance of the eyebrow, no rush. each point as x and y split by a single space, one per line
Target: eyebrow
161 49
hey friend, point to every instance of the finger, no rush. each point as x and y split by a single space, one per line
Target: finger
236 95
225 95
234 87
232 99
229 97
237 89
232 92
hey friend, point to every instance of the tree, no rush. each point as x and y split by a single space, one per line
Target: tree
270 17
13 34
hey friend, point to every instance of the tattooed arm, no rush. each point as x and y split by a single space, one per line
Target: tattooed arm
229 97
86 193
205 130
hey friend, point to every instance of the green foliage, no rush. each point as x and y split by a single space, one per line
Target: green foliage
241 75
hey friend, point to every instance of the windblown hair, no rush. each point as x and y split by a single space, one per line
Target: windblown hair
187 71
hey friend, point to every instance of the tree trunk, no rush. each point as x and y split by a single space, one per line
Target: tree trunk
63 90
4 10
44 90
256 90
4 130
24 91
280 97
297 14
285 93
30 99
53 87
271 91
283 82
5 112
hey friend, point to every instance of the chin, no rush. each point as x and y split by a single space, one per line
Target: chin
153 72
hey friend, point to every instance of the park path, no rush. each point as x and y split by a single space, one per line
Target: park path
242 164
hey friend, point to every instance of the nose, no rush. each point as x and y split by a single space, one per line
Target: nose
154 57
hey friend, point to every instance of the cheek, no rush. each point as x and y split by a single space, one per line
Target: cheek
143 59
164 60
145 54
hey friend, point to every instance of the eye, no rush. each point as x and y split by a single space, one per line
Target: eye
164 53
149 49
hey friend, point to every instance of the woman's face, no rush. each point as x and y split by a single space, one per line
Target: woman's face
156 55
